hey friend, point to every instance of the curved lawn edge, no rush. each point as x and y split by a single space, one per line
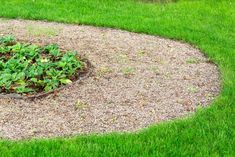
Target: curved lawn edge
209 131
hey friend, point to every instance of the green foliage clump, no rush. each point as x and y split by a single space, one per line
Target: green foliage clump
27 68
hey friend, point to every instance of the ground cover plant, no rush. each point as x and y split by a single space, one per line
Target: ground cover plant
209 25
27 68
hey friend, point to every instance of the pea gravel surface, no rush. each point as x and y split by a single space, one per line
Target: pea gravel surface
138 80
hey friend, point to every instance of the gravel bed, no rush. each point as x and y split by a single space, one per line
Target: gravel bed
138 80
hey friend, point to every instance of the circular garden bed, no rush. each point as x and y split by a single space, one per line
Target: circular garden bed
30 71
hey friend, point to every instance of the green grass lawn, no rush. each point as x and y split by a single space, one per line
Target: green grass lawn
209 25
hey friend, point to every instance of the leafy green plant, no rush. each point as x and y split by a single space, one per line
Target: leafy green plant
7 39
27 68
